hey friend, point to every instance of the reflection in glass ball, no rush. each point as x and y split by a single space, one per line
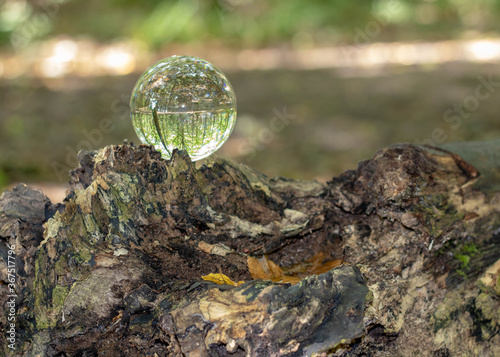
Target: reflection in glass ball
186 103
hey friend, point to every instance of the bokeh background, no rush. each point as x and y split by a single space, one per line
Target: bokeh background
320 84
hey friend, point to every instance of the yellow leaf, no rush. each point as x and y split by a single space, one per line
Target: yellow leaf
221 279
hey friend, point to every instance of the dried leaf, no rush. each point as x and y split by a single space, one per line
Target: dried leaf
221 279
314 265
326 266
265 269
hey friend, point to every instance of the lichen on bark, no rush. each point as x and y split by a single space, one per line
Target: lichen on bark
116 269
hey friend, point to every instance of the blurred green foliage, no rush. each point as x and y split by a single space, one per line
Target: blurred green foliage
40 125
246 23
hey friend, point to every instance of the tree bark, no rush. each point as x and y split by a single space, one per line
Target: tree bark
117 269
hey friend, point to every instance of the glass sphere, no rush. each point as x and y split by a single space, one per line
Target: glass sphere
186 103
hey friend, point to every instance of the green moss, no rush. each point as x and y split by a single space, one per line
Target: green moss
122 198
452 306
439 213
369 297
254 289
489 317
469 248
58 295
464 255
85 255
39 283
128 182
61 266
80 251
91 224
42 321
46 310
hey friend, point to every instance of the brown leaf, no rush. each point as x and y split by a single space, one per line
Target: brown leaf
324 267
266 269
314 265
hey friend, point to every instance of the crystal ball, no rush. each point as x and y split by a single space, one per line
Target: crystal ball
185 103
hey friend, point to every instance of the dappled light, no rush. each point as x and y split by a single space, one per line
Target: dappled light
67 57
315 80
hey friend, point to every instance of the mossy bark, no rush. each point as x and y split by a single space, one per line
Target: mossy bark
116 269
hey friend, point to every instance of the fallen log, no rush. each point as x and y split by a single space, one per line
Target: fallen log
117 268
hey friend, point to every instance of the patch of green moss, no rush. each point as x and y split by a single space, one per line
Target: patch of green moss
80 251
487 315
254 289
58 295
464 255
61 266
439 213
46 310
453 305
91 224
40 284
128 184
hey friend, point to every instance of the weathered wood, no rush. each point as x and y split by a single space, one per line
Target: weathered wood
116 270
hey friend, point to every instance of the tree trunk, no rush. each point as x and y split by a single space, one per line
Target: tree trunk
116 270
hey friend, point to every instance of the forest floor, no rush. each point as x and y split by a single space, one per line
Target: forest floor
310 124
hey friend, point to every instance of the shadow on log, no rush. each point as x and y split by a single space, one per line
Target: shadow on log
117 269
